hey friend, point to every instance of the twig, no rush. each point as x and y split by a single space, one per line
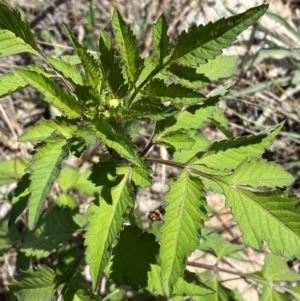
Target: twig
217 269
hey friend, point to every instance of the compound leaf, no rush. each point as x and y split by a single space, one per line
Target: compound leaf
44 168
267 216
106 217
65 102
160 40
15 33
185 215
48 236
206 42
127 46
36 284
259 173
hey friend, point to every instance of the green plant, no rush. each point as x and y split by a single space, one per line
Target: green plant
96 104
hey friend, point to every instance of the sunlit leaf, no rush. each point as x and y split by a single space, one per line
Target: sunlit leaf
185 215
48 236
127 46
44 168
106 217
36 284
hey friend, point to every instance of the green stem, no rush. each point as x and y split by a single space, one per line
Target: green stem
72 273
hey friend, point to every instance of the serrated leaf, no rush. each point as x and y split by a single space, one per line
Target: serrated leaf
44 168
104 173
65 199
8 237
13 81
107 59
178 140
222 293
259 173
160 40
106 217
276 269
185 215
142 176
269 216
71 59
117 141
77 147
127 46
71 72
178 94
90 64
270 294
44 129
206 42
137 250
221 122
191 286
221 91
223 66
187 76
11 170
20 198
78 291
146 71
36 284
72 178
213 242
52 231
65 102
145 110
201 143
15 33
228 154
191 118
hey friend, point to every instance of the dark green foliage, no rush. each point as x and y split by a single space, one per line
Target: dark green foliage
107 102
